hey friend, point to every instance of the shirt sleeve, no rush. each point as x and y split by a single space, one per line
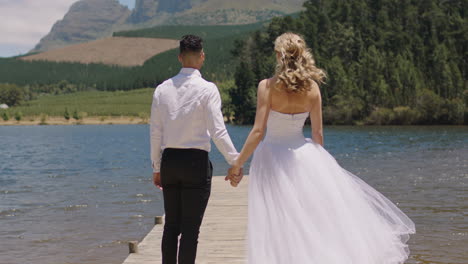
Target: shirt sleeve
217 128
155 133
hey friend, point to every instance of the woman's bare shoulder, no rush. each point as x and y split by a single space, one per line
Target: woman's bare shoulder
313 96
266 85
263 83
314 92
268 82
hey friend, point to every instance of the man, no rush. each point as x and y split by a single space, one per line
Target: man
185 114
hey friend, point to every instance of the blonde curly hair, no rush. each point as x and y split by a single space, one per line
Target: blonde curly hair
296 70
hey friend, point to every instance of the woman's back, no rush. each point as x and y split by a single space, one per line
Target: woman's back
303 101
292 102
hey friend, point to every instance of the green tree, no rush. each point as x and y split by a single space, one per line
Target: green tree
429 104
243 95
66 114
225 90
392 59
11 94
18 116
5 116
76 115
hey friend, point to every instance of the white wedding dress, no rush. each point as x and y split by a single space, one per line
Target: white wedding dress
304 208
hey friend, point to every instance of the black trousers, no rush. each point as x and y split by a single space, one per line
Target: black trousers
186 180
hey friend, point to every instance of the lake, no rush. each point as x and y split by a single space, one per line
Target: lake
77 194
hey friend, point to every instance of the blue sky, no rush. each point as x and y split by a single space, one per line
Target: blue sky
25 22
129 3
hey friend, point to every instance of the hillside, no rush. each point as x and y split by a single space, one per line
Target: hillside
217 12
284 6
89 20
44 76
113 51
207 32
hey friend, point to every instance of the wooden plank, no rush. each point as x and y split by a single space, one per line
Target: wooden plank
223 232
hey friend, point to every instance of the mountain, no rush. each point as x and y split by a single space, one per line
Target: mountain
144 11
86 20
89 20
210 12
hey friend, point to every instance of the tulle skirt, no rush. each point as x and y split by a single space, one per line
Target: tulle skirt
305 208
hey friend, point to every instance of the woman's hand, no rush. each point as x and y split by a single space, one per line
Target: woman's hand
235 175
235 169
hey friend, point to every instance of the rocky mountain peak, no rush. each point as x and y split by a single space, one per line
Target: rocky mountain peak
144 10
86 20
94 19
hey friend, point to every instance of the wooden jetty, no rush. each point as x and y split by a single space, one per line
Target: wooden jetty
222 235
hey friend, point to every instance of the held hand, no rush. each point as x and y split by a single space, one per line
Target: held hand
235 170
157 180
235 175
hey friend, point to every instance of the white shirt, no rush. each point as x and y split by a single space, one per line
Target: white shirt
186 113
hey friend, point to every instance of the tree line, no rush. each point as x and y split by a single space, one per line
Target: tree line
387 61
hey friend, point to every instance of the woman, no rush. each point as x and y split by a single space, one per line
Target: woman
303 207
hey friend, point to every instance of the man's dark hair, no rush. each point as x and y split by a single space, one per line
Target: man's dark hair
191 43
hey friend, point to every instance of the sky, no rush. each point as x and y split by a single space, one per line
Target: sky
25 22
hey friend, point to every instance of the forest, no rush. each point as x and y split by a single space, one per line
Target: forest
387 62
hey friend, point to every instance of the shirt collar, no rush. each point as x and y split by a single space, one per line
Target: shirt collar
190 72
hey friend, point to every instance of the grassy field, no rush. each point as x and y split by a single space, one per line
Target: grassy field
93 103
134 103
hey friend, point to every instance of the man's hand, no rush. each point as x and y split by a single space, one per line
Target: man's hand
235 176
157 179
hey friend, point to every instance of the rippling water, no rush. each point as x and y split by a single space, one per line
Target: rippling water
77 194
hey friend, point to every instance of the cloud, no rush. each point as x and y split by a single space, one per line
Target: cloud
25 22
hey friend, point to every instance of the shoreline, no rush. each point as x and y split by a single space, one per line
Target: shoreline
125 120
61 121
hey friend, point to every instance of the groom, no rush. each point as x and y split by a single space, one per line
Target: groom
185 114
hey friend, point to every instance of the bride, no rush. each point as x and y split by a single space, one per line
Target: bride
304 207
